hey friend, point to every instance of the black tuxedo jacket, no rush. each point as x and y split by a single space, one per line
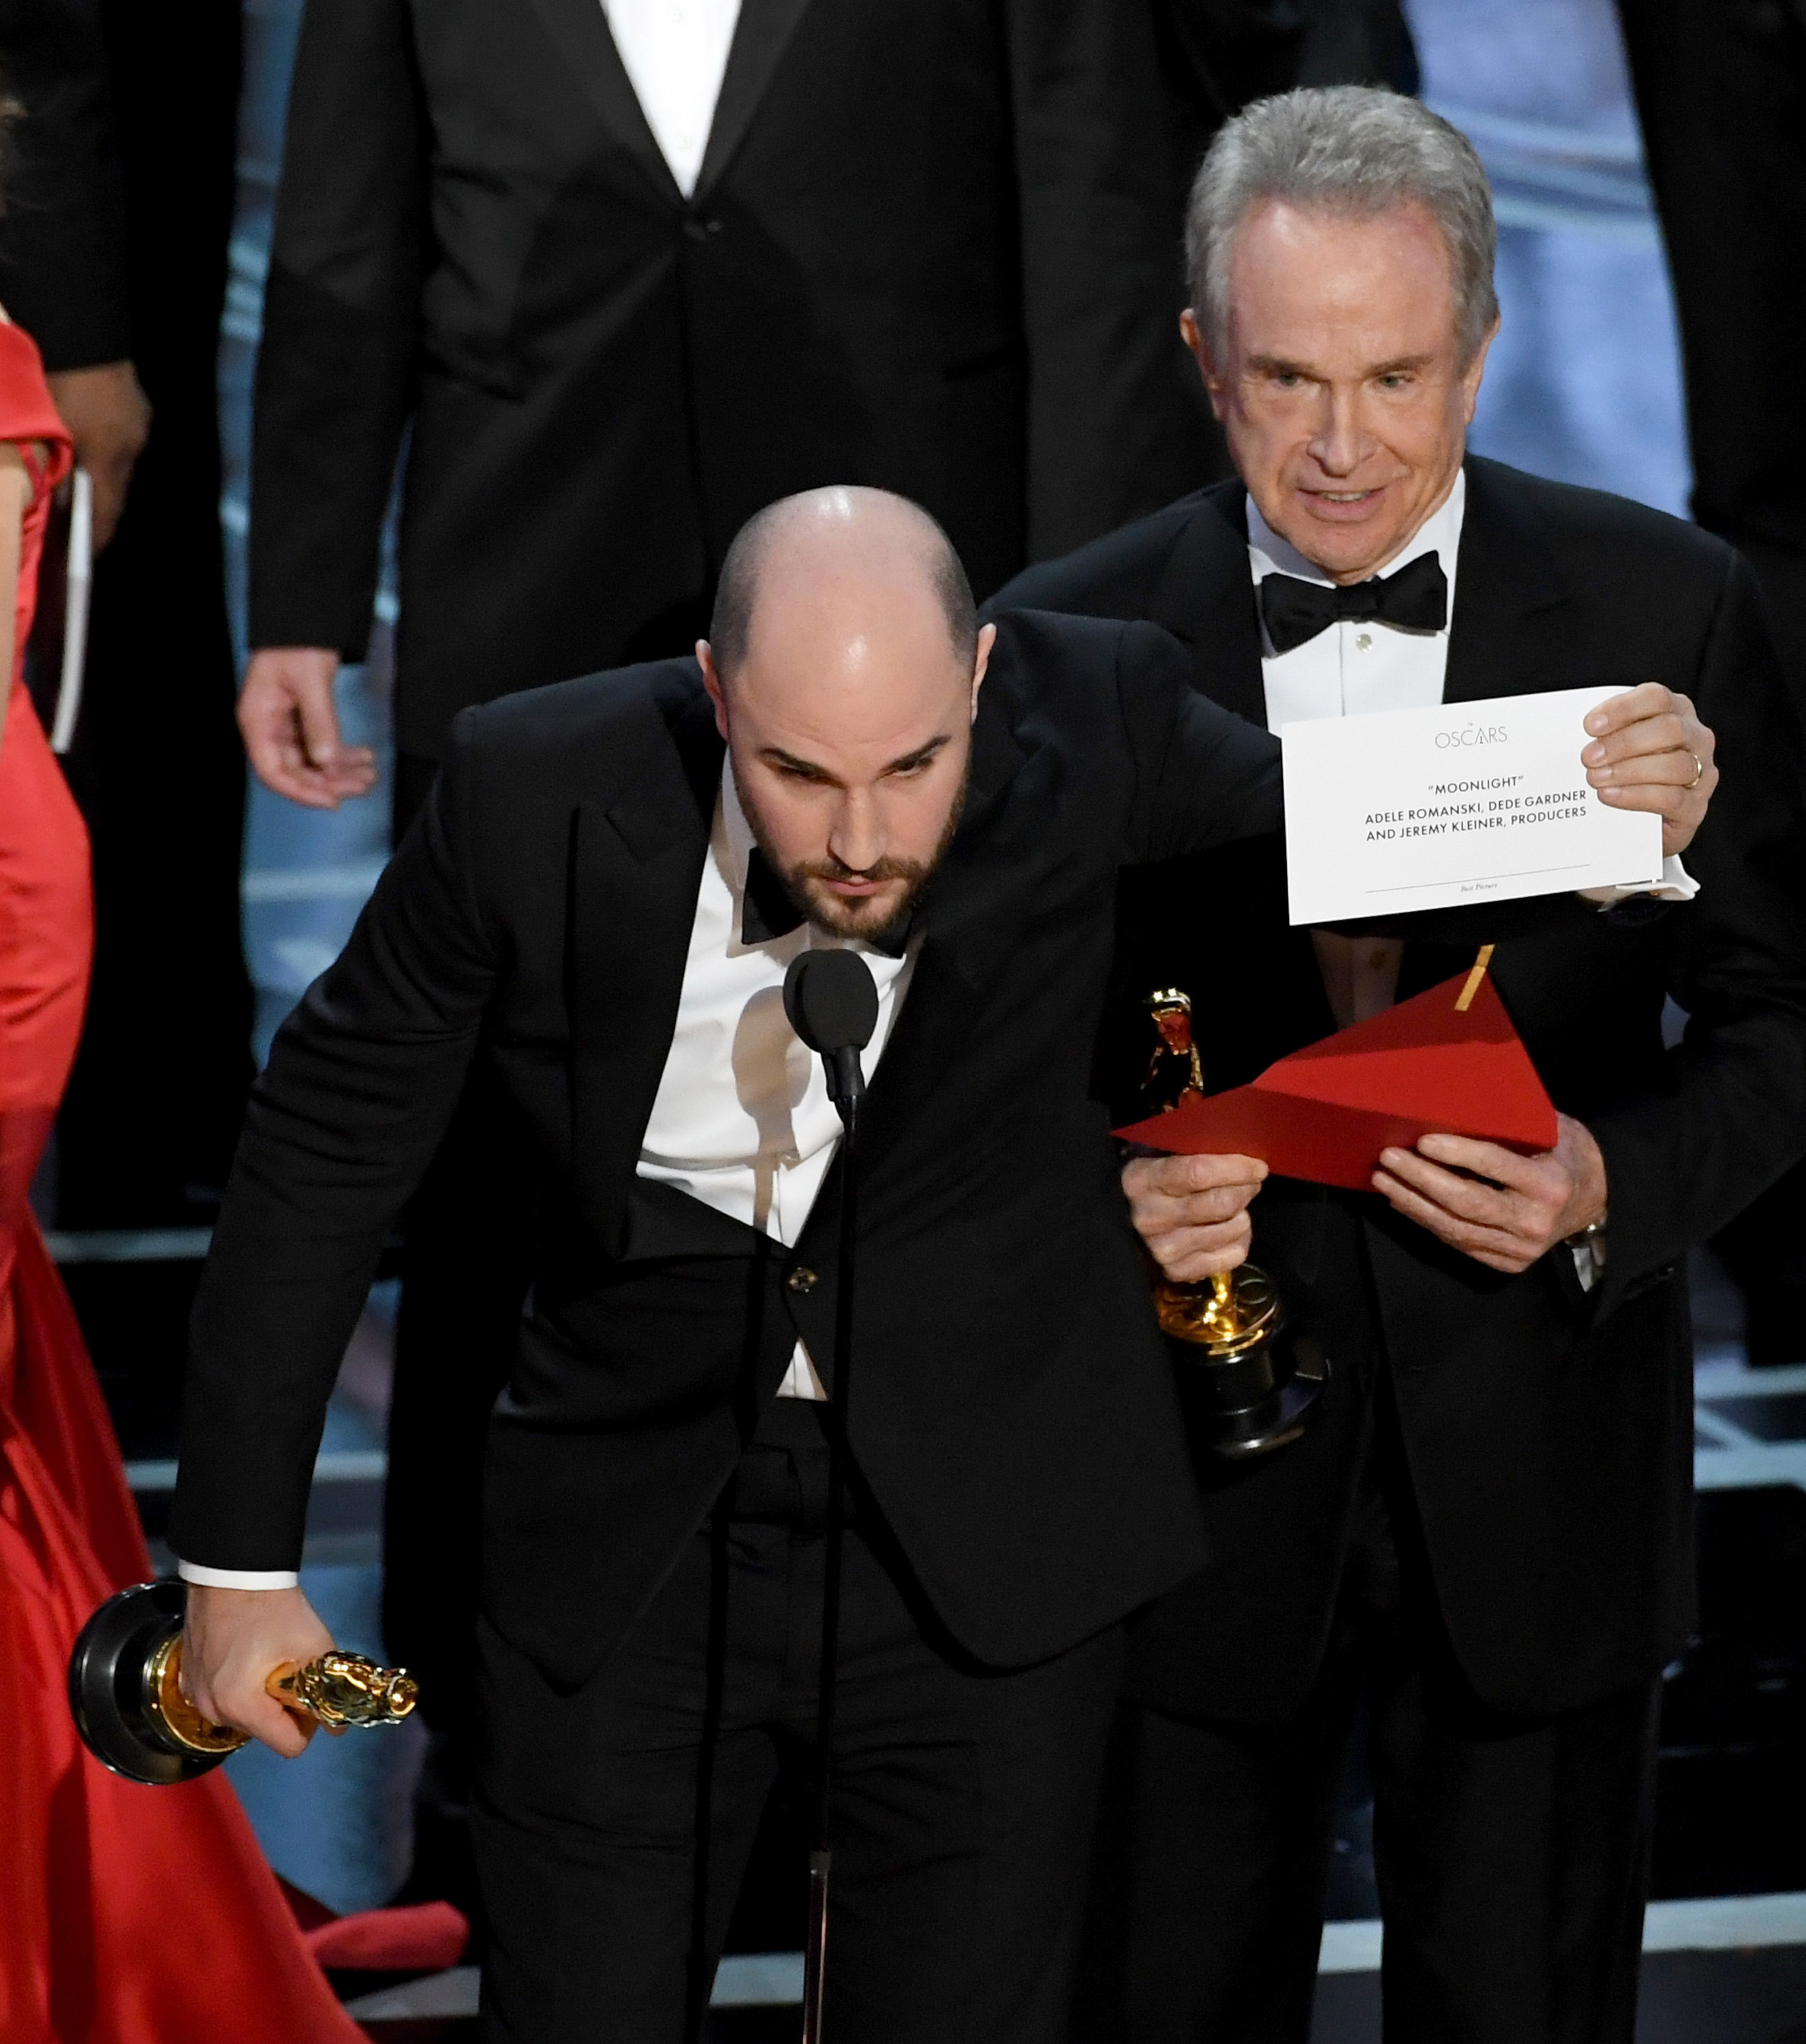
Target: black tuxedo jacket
1013 1416
932 247
1549 1432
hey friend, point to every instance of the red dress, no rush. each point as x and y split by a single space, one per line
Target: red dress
127 1915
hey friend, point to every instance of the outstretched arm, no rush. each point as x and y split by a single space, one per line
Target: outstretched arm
361 1083
1202 775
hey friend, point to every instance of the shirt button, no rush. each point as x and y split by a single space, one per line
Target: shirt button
801 1279
1363 640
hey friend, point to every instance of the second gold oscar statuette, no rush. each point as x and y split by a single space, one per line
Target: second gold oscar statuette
1251 1384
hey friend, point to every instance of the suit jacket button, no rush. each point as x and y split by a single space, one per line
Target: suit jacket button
801 1279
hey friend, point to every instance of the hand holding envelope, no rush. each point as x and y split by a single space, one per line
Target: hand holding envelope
1502 1209
1445 1070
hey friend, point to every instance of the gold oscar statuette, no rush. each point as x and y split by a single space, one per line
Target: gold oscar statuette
1250 1381
126 1691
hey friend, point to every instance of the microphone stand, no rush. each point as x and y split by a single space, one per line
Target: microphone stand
846 1082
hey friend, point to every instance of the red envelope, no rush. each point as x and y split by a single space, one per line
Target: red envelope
1327 1112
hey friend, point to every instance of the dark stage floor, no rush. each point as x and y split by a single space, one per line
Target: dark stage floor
1757 1997
1724 1997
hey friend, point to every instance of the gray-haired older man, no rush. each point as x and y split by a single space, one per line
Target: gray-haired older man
1489 1528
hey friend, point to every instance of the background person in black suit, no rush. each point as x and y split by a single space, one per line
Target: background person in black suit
602 910
619 275
1488 1529
630 286
1721 93
1721 98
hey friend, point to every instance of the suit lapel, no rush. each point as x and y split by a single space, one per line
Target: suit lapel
581 30
636 863
1510 632
760 37
1205 597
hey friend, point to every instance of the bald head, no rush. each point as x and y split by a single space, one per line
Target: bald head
845 664
838 535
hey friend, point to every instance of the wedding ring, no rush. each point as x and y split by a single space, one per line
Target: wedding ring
1699 770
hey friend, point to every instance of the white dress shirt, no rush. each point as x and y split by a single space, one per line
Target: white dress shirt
675 55
742 1119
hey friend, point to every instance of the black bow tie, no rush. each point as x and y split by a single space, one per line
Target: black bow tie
1416 598
767 912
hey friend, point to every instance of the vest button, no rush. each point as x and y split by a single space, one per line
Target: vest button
801 1279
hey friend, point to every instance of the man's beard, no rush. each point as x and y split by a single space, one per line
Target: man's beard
804 883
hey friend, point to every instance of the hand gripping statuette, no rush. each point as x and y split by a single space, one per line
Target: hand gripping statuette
1250 1382
126 1691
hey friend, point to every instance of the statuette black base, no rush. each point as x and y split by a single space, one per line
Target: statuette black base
1249 1382
112 1687
1280 1415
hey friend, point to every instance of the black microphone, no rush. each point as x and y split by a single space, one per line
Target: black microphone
832 1000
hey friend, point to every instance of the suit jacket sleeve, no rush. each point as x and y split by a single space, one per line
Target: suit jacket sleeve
1202 775
63 242
337 366
361 1083
1113 430
1681 1160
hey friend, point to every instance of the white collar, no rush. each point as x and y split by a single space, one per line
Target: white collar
1440 533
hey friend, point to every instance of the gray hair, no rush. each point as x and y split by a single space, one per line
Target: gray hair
1355 150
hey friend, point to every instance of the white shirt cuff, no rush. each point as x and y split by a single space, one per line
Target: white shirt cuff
1677 884
238 1579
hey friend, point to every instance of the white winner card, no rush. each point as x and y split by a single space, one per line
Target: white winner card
1439 808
